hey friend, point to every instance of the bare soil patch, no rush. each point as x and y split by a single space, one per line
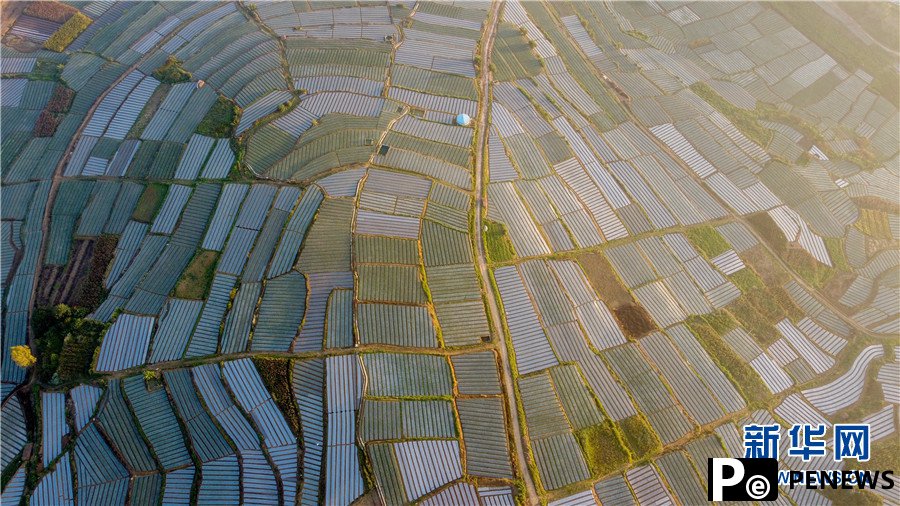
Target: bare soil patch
604 280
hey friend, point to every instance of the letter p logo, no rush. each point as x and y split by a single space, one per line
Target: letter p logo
742 479
717 480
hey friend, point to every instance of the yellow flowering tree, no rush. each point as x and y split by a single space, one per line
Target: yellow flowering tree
22 356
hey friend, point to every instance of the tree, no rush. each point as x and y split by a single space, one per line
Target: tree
22 356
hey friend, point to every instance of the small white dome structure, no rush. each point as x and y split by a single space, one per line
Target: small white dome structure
463 119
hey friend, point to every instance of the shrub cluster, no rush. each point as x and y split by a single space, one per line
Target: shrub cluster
221 119
171 72
603 449
90 292
67 33
639 437
497 242
52 115
61 99
46 124
276 374
65 342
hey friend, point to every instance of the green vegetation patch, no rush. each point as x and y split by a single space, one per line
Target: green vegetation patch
815 273
603 448
67 33
835 248
65 342
196 279
874 223
760 305
46 70
564 9
639 437
885 454
221 119
754 322
721 321
276 374
812 271
739 372
745 121
148 111
762 285
747 280
854 496
496 241
870 400
708 240
171 72
150 202
637 34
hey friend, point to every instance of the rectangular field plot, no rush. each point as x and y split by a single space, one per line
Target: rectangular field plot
125 343
390 283
649 392
483 429
401 375
396 325
533 351
559 460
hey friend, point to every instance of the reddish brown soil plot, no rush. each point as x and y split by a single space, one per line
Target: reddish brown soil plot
80 282
632 317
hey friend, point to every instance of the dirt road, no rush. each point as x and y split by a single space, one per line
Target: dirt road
481 258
